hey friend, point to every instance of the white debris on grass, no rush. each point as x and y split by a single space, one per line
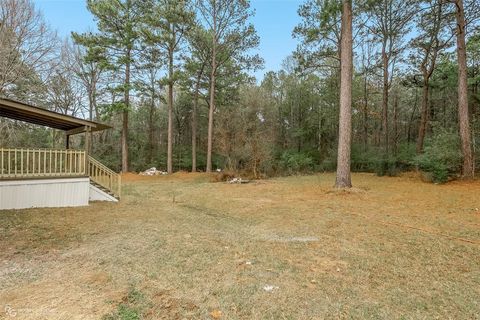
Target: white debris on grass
153 172
245 262
269 288
238 180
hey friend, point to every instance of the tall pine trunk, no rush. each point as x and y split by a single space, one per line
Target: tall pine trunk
150 128
125 114
212 93
194 119
91 107
210 116
343 179
395 123
194 132
424 116
170 114
412 117
463 115
385 61
365 113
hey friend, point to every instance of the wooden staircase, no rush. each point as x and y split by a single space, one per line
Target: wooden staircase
107 191
104 178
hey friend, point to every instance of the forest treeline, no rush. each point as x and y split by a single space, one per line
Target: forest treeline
174 79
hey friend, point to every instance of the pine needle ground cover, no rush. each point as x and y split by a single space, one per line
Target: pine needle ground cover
183 247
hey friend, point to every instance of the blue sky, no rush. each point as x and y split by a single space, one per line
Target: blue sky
274 21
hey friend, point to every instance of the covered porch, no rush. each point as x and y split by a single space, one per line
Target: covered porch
35 164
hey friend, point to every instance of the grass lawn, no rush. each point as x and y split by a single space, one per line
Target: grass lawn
182 247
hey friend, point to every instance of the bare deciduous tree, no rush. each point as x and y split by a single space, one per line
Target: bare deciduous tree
26 43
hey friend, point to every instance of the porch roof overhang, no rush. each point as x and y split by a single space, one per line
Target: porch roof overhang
28 113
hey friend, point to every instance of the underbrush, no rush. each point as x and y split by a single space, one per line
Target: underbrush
442 158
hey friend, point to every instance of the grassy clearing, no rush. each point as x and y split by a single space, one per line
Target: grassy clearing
181 247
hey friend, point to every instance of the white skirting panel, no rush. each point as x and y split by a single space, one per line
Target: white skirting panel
100 195
42 193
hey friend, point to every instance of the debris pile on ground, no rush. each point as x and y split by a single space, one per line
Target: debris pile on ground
238 180
153 172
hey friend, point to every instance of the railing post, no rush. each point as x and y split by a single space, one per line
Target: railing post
87 149
119 186
67 141
9 163
15 163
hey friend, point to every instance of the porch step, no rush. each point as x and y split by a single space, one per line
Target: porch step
104 179
104 190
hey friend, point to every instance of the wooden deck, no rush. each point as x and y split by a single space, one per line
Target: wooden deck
41 163
25 163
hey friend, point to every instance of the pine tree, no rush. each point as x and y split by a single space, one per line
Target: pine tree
390 23
343 179
230 37
463 113
428 44
166 26
117 36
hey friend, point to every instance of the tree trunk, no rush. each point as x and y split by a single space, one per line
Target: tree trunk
412 118
194 120
395 123
463 115
170 114
194 133
125 115
212 93
150 126
210 120
90 116
385 97
343 179
320 125
365 113
423 117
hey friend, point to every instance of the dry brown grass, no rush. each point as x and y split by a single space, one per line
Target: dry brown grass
181 247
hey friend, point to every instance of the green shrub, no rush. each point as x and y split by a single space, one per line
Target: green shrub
364 160
373 159
442 158
327 165
328 161
387 166
293 162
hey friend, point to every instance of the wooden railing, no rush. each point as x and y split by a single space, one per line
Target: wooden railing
30 163
104 176
45 163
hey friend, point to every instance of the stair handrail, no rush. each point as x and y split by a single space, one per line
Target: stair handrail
104 176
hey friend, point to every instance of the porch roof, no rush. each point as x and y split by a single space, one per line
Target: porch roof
32 114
